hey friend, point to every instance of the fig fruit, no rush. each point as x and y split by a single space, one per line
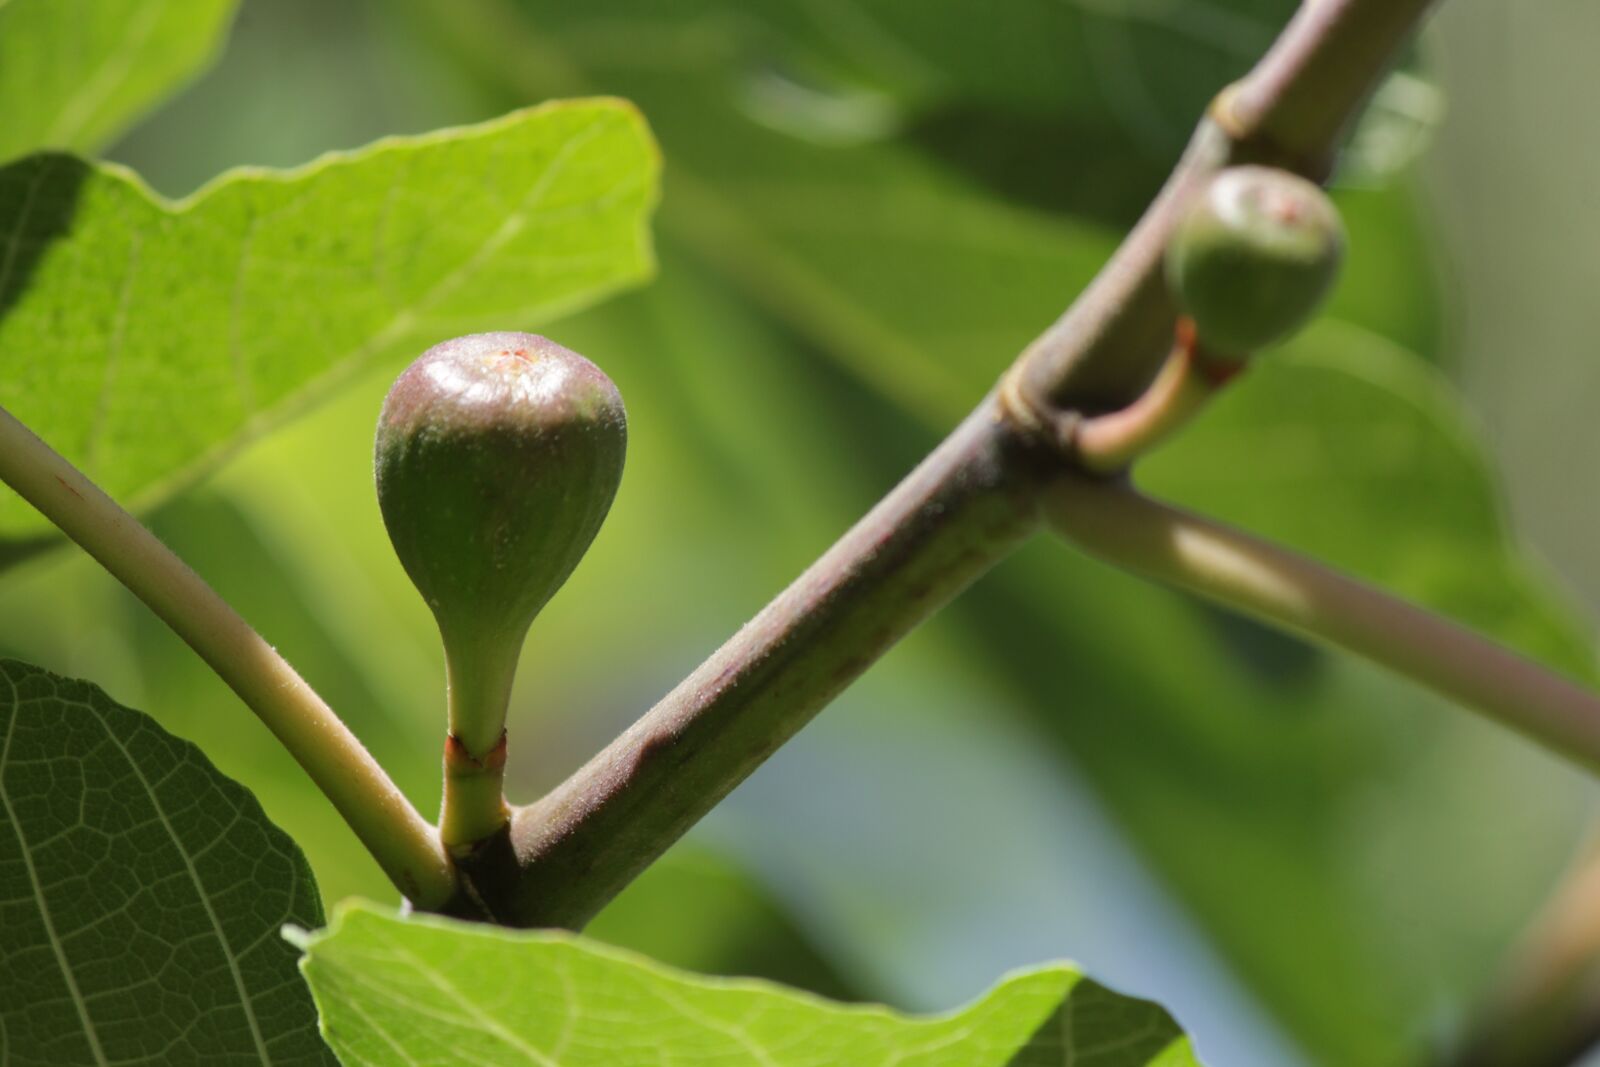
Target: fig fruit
1253 257
497 458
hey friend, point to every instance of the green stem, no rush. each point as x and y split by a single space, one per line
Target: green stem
475 806
479 692
1106 444
1284 588
479 674
391 829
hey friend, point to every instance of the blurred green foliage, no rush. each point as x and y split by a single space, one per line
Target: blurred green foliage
868 208
73 78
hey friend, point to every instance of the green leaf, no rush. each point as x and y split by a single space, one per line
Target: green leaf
73 75
212 316
141 893
433 991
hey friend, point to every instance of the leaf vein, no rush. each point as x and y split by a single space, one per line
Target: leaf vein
246 1004
54 938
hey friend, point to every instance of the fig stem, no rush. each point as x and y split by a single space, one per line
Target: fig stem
402 842
475 806
478 680
1109 443
1276 585
479 691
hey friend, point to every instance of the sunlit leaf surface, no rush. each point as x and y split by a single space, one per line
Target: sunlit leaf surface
437 992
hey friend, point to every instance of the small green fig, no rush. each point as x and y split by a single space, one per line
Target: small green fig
497 457
1253 257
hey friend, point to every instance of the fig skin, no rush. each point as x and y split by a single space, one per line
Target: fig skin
497 458
1254 257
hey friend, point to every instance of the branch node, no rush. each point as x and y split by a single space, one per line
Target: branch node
1250 143
1036 419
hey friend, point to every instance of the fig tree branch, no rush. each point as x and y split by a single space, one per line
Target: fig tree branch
966 507
1288 590
391 829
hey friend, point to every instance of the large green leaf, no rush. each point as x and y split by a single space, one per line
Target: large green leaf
208 317
141 893
74 73
432 991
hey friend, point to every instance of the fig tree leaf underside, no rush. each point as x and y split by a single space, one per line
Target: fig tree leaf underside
141 895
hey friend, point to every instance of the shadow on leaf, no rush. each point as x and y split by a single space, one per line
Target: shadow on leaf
1095 1025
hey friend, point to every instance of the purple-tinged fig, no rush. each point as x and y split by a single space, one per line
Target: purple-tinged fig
498 455
1253 257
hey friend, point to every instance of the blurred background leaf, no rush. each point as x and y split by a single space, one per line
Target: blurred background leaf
868 208
74 74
